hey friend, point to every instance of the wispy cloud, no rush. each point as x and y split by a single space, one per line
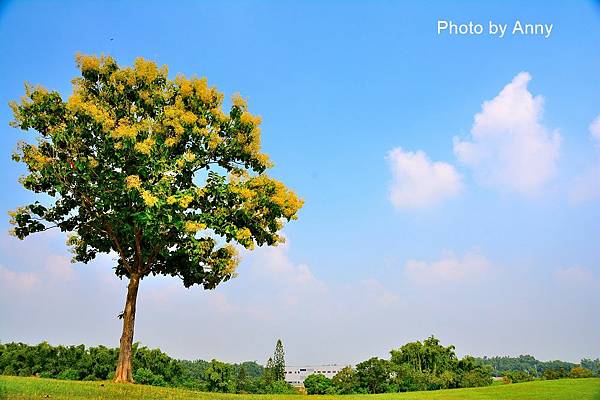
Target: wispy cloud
586 187
419 182
473 266
576 276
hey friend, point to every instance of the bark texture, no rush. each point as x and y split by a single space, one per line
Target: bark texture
124 372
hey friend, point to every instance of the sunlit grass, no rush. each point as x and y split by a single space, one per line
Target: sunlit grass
16 388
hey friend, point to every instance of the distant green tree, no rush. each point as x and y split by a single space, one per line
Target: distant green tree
279 387
317 384
243 384
345 381
374 375
592 365
269 375
517 376
218 376
279 362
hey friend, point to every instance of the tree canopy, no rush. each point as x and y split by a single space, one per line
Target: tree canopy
150 168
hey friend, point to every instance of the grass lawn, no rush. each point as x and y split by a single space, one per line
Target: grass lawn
15 388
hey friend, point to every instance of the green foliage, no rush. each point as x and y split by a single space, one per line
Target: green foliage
429 356
415 366
345 381
580 372
527 363
269 375
517 376
158 363
151 367
374 375
279 387
317 384
68 374
219 377
592 365
145 377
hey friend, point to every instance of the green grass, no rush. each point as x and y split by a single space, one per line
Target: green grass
14 388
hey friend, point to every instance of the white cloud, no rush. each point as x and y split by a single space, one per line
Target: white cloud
575 276
595 130
378 294
585 187
509 148
275 262
450 269
419 182
15 280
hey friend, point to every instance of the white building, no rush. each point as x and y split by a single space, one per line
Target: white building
296 375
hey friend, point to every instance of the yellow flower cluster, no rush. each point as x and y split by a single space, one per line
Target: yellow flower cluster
171 200
239 101
189 117
185 201
279 194
214 140
244 237
248 118
13 214
185 86
33 156
146 70
149 199
92 63
87 63
246 193
100 115
92 162
234 259
124 130
218 114
189 87
189 156
133 182
171 141
193 227
264 160
122 77
145 147
173 118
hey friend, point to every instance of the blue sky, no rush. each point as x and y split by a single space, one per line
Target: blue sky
404 232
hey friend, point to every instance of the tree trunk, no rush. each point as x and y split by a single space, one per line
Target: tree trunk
124 372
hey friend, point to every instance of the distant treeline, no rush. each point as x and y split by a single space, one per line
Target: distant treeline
150 366
417 365
531 368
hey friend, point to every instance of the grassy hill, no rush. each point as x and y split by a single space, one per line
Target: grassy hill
15 388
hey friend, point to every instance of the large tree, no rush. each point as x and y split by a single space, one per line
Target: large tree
151 169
